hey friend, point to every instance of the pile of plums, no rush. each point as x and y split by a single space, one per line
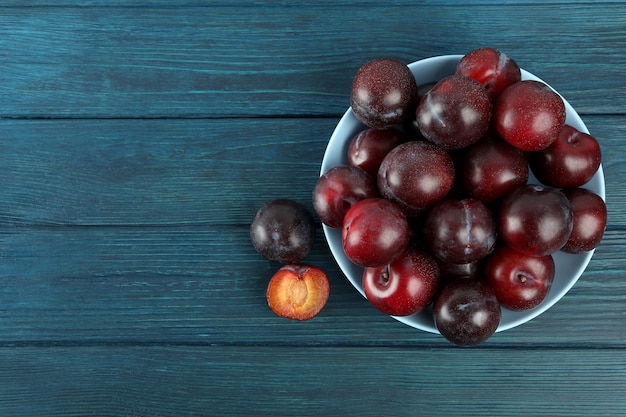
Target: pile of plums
434 202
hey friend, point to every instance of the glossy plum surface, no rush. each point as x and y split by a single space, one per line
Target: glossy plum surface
338 189
460 231
410 126
491 68
466 311
404 287
455 113
368 148
589 214
283 230
535 220
416 174
492 168
529 115
384 93
375 232
520 282
570 161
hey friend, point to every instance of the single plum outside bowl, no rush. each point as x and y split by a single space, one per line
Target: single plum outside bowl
569 267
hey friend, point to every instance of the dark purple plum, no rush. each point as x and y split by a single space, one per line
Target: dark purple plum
492 168
466 311
384 93
569 162
455 113
338 189
283 230
535 220
416 175
368 148
460 231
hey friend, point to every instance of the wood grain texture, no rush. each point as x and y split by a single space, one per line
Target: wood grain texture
141 229
370 4
157 381
231 61
194 285
155 172
177 172
138 138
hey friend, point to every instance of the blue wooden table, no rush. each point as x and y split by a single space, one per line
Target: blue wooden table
139 137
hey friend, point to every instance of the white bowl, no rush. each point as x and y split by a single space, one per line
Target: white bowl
569 267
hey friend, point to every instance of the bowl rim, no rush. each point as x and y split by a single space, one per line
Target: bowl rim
348 122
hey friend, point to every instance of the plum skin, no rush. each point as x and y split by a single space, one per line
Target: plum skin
492 168
368 148
529 115
535 220
384 93
337 190
466 311
460 231
283 230
520 282
375 232
569 162
404 287
491 68
455 113
416 175
589 213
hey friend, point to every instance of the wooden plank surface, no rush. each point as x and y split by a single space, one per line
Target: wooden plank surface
178 171
138 138
156 381
233 61
183 286
143 225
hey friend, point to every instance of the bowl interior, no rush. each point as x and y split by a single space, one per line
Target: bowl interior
569 267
